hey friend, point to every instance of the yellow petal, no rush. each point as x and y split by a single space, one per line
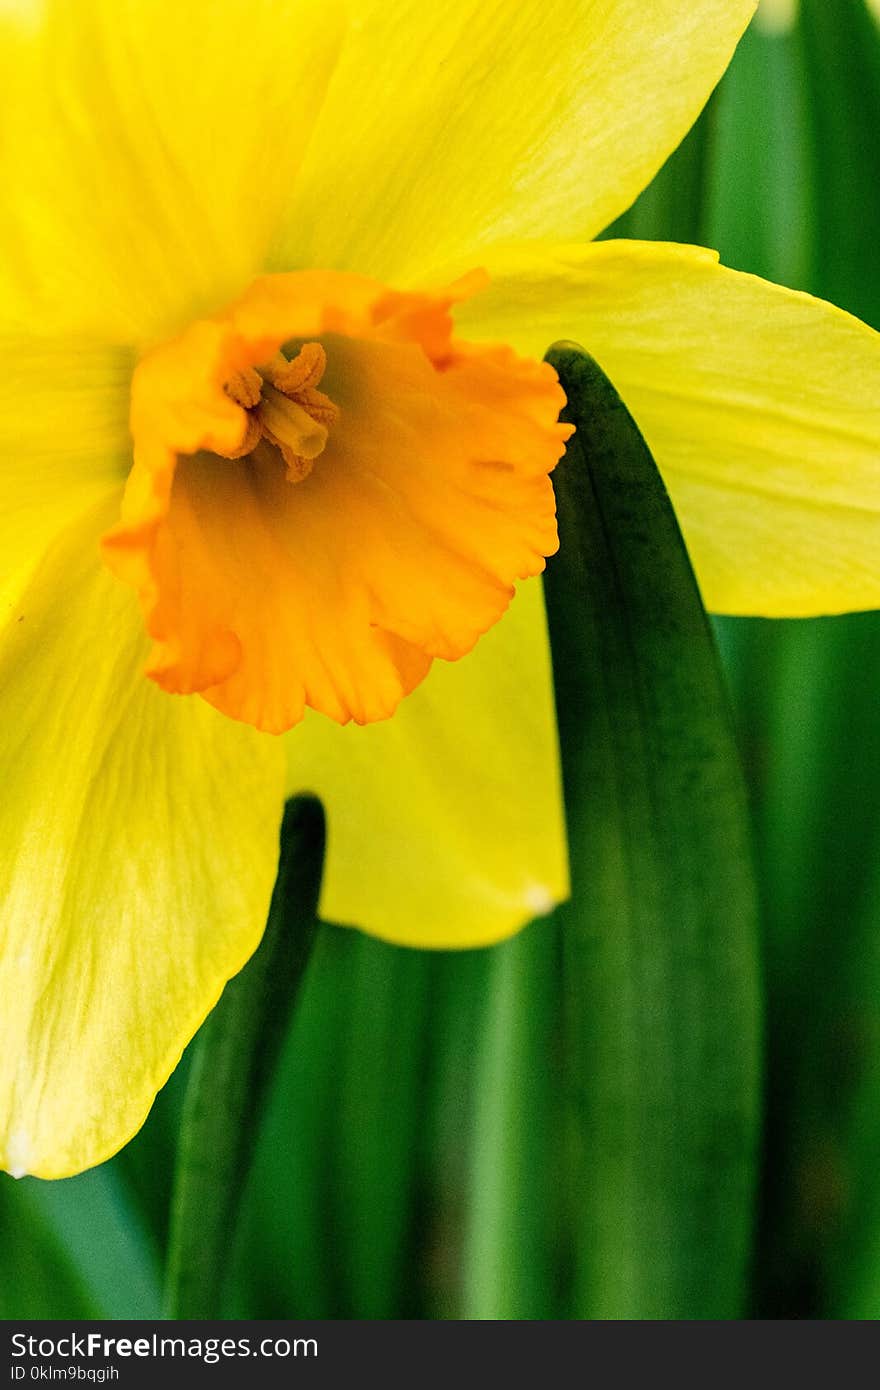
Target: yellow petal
761 405
64 440
457 125
445 823
147 150
139 840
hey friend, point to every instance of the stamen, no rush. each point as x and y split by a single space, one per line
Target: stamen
284 408
304 370
244 388
298 379
252 436
316 404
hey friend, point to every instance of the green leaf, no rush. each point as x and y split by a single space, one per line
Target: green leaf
287 1263
818 806
334 1220
760 198
235 1057
659 937
842 46
76 1249
379 1122
509 1231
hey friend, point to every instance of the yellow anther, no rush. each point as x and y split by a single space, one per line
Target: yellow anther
302 371
316 404
296 467
252 436
244 388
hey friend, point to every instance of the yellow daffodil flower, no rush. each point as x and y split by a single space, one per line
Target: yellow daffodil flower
247 452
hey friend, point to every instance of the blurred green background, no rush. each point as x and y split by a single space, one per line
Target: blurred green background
413 1157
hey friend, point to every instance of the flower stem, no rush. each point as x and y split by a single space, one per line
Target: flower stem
232 1067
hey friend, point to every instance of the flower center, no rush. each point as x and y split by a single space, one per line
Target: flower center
432 496
284 408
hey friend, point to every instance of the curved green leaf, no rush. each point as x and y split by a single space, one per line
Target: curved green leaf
659 937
